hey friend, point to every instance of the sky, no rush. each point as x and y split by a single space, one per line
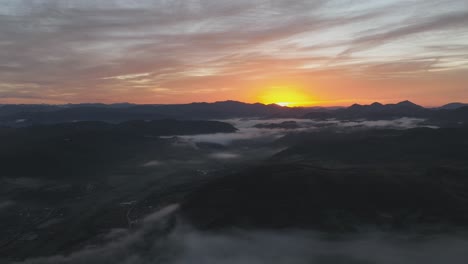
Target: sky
301 52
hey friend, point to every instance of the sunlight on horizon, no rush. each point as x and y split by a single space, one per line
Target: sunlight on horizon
286 96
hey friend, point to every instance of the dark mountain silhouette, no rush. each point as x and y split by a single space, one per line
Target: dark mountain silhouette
375 111
25 115
454 117
22 116
453 106
217 110
6 110
116 105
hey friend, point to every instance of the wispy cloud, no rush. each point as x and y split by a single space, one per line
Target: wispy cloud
149 51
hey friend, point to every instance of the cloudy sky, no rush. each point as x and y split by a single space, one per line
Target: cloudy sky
175 51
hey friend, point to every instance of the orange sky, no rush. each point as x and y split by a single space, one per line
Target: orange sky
301 52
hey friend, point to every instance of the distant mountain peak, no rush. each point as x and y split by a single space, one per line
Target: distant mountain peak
355 106
407 102
230 101
454 105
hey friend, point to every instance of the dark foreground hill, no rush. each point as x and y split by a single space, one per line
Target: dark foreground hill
88 148
396 180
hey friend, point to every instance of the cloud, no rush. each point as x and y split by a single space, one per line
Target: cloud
452 20
153 163
160 51
228 138
246 131
400 123
224 155
309 247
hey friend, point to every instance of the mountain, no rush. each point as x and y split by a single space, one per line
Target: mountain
115 105
375 111
6 110
453 106
450 117
27 115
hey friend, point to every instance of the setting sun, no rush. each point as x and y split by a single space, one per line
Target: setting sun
285 96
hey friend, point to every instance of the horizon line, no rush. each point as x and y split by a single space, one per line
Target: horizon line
228 100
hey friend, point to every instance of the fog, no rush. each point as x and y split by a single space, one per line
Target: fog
248 131
225 155
5 204
153 163
153 242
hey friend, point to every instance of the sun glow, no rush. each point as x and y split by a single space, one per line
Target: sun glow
285 96
283 103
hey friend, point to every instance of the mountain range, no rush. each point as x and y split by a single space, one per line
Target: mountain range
24 115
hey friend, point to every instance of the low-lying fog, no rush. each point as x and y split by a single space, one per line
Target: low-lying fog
255 136
151 244
248 130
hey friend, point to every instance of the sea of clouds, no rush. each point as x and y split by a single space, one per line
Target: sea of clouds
248 131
